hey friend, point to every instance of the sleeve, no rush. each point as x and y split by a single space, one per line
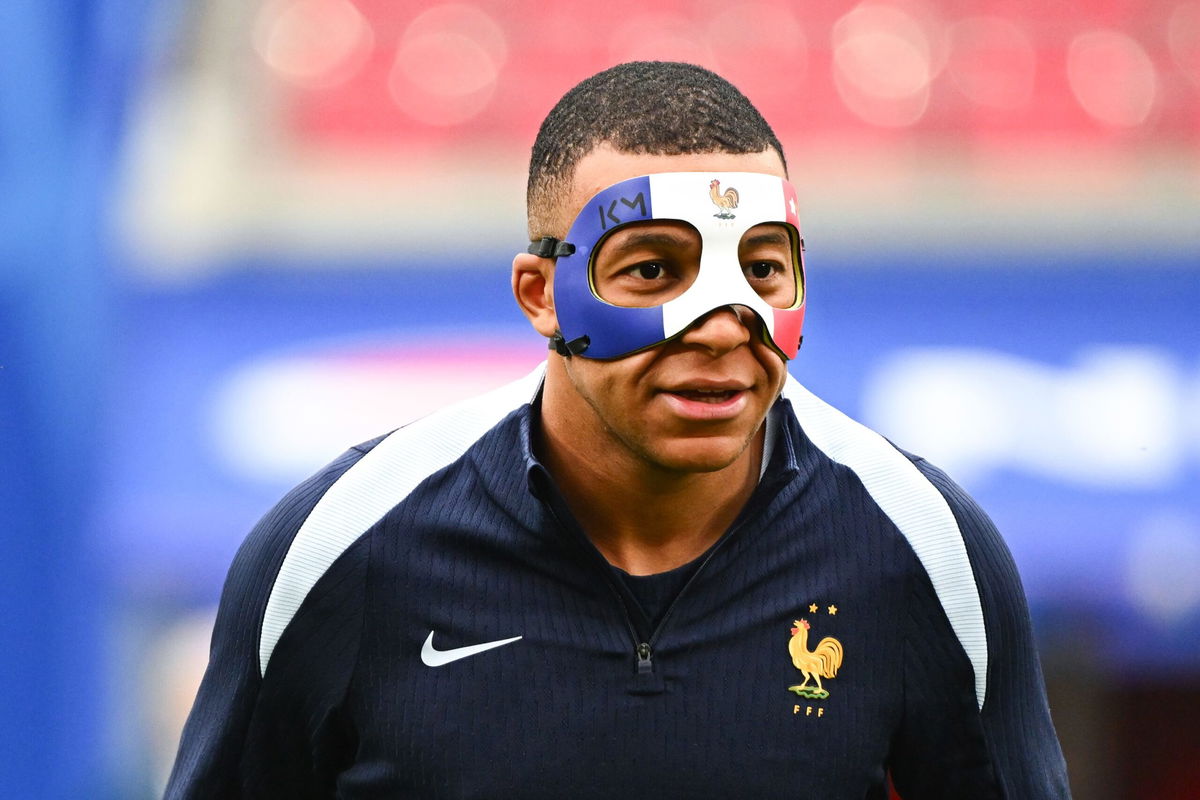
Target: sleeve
231 734
947 746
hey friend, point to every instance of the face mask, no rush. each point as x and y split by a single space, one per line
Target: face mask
649 257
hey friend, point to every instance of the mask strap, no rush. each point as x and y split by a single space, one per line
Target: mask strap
567 349
549 247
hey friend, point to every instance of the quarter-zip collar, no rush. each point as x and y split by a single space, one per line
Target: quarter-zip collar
646 676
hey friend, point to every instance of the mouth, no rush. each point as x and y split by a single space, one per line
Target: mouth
712 396
707 403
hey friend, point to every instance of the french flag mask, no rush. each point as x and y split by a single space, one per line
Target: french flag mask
649 257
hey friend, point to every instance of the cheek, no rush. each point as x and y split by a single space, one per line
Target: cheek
592 381
617 384
774 366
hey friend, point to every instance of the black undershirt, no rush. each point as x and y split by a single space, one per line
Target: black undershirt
654 593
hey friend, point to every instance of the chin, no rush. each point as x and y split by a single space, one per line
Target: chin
706 455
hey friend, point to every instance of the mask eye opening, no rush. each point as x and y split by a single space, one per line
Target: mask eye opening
654 262
766 247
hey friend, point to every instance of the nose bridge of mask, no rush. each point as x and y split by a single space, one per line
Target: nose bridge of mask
719 283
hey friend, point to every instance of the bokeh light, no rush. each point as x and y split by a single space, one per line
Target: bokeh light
1162 571
883 64
1112 77
993 62
447 64
744 36
314 44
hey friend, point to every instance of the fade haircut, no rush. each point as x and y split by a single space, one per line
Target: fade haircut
646 107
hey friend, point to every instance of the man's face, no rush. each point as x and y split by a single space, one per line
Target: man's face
695 403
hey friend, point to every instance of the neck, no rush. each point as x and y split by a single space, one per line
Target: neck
645 521
643 517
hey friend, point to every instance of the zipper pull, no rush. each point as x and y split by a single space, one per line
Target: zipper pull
646 680
644 664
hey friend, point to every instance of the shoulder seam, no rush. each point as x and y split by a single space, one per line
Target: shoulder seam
375 484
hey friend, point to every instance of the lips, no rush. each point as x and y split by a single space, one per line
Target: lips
707 402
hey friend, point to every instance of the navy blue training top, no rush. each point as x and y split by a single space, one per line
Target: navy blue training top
424 619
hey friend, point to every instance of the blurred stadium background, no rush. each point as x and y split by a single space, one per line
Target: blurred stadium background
239 236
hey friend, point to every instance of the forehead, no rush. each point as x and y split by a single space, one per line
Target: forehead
605 166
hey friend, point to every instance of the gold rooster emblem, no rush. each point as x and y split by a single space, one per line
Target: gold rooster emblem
823 662
724 201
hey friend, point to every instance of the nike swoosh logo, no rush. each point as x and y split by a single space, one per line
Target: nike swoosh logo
432 657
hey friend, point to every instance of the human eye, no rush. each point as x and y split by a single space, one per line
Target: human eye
648 271
763 270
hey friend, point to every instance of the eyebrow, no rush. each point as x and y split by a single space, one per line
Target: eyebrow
775 236
635 240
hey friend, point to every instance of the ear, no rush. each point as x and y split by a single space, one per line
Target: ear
533 286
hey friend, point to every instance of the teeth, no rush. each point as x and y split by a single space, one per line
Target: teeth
707 395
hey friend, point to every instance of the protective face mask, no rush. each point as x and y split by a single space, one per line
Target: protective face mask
651 256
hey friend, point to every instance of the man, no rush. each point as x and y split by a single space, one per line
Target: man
656 567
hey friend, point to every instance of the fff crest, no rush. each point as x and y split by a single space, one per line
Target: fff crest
822 661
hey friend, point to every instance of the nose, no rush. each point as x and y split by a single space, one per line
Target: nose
721 329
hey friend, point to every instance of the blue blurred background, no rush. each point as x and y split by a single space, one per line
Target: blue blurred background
238 237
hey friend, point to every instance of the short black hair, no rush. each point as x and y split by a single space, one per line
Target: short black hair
653 107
